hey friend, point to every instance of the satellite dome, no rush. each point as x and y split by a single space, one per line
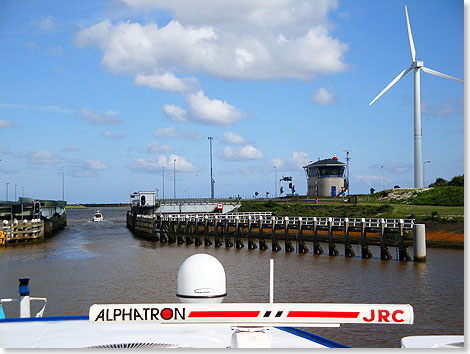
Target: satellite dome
201 278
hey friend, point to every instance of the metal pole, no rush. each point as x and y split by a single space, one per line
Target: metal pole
424 178
63 185
347 162
275 181
212 180
7 192
383 177
163 179
174 179
15 192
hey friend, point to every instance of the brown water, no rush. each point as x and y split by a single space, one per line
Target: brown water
92 262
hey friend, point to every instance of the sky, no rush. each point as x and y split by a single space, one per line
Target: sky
114 96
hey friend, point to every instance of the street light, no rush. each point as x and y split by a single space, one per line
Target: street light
212 180
275 181
383 176
174 179
7 192
15 192
163 179
424 179
60 169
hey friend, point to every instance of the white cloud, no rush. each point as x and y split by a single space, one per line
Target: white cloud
241 153
110 135
45 23
166 82
152 165
42 157
96 118
6 124
323 96
95 165
295 162
212 111
224 39
232 138
155 147
172 132
70 148
368 179
175 113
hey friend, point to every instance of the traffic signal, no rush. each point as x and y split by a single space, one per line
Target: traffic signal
142 200
37 208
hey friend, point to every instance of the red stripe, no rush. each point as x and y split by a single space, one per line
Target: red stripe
223 314
334 314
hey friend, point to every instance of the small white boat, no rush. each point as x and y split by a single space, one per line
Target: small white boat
98 216
201 320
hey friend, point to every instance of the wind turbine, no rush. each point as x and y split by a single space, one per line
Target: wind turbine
417 66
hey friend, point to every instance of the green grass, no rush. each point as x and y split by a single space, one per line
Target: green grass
440 196
360 210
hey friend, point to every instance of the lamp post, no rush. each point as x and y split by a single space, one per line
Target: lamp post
383 176
15 192
275 181
347 163
212 180
424 178
63 195
163 181
174 179
6 198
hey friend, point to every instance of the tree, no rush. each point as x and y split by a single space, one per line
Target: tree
457 181
439 182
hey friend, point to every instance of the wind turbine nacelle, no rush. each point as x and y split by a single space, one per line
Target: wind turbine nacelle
418 64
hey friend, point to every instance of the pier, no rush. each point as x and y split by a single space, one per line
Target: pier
30 220
291 234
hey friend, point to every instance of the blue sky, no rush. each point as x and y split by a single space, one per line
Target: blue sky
110 92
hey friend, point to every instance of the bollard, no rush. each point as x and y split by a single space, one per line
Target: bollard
419 243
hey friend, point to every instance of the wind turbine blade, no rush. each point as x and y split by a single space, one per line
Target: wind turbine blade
437 73
410 37
400 75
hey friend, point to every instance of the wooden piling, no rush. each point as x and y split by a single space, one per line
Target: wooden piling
217 242
384 252
207 240
274 242
262 242
251 242
332 250
402 249
238 241
287 241
365 251
301 246
317 249
348 250
179 233
228 241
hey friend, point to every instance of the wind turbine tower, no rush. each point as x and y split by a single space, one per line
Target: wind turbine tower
417 66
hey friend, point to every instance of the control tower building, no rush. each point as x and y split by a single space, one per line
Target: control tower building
326 178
